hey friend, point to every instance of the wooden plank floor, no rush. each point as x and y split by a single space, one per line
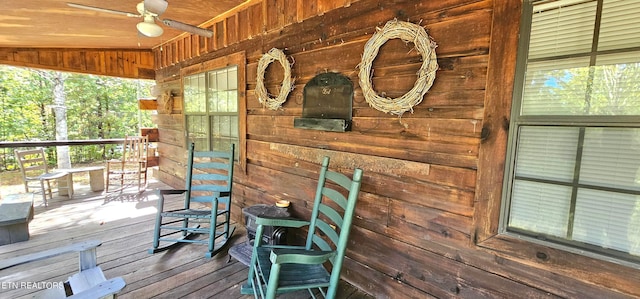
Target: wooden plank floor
124 224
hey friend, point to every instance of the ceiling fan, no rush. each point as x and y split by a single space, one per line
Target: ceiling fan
150 11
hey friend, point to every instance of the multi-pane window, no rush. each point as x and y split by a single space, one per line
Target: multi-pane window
574 171
211 108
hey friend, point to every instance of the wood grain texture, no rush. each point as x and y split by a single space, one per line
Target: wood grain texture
429 205
135 64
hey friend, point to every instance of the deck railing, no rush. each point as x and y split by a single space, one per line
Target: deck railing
80 151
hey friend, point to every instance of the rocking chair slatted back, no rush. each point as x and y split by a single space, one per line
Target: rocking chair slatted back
208 174
36 174
131 169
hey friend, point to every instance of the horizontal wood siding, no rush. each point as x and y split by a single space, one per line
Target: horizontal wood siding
135 64
419 215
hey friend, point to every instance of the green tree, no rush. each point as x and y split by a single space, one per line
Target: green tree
27 97
98 107
105 107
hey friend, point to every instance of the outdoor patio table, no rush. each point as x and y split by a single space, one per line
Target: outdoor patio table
96 177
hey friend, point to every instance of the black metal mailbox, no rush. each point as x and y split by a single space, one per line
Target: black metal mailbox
327 103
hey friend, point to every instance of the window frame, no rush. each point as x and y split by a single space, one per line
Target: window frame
236 59
209 114
581 122
509 251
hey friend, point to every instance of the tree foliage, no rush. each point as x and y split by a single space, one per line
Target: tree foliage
98 107
105 107
604 90
24 97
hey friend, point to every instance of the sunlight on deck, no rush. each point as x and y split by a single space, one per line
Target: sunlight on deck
95 209
83 216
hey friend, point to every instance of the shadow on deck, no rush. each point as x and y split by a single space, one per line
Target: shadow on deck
124 223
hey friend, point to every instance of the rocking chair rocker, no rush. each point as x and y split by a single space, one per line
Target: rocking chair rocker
208 184
276 269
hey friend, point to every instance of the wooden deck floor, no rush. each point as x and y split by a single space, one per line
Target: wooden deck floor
124 224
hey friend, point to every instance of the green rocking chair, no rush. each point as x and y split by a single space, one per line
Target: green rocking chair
208 184
276 269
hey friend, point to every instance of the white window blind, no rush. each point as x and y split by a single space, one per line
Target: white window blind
619 28
611 158
563 29
547 153
608 219
541 208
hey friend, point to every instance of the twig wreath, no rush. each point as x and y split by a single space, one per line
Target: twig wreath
165 101
408 32
287 84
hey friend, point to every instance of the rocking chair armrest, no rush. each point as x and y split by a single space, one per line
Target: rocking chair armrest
162 193
171 191
284 256
286 222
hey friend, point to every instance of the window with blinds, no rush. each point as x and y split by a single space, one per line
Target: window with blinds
211 109
574 171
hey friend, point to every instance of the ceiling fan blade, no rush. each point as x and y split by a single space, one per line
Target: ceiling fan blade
156 7
99 9
188 28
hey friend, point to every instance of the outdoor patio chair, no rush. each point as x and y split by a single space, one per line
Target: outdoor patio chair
132 168
36 175
207 204
276 269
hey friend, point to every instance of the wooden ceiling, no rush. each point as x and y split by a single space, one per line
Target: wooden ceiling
54 24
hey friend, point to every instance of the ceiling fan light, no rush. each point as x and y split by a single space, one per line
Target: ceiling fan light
149 29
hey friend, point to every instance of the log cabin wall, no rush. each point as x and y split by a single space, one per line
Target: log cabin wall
429 206
134 64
